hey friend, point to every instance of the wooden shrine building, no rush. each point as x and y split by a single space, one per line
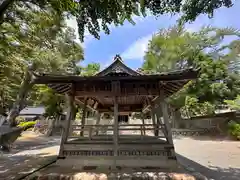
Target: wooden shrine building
119 90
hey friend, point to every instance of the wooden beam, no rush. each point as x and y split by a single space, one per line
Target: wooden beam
164 88
120 111
147 104
136 91
82 103
155 101
63 88
121 108
60 88
95 105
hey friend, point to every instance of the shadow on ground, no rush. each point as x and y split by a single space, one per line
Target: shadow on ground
28 166
33 144
17 166
213 172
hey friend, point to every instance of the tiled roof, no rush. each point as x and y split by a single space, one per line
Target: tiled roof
32 111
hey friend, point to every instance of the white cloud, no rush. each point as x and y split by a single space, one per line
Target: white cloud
137 49
105 64
73 24
88 37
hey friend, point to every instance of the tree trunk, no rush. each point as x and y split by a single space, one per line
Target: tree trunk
3 8
21 98
51 126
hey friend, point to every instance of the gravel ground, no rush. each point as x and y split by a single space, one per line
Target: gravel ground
216 159
28 151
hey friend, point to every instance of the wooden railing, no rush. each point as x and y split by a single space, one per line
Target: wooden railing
135 129
92 130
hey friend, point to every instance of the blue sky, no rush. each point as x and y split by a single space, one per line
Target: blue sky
130 41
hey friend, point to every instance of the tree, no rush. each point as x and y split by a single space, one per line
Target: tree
37 42
175 48
91 69
55 103
99 14
234 104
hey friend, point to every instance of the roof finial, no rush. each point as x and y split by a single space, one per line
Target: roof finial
118 57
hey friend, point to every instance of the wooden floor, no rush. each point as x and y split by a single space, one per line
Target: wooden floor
139 139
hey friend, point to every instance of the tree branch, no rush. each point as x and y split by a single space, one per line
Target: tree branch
3 8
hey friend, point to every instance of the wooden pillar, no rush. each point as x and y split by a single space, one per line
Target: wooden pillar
143 124
115 131
153 114
97 122
73 117
164 108
84 116
160 123
65 131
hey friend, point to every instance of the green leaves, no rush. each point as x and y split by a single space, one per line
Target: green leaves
175 48
34 36
53 102
90 70
115 12
192 8
97 15
234 104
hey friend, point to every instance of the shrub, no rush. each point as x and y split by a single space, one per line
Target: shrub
19 120
26 125
234 129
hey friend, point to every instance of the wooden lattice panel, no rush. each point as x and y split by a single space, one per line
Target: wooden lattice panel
165 153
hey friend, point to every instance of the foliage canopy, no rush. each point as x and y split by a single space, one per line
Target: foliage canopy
176 48
97 15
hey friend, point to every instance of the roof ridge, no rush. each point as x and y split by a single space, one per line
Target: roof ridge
118 59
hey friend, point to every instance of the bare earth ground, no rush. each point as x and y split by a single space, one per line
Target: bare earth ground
216 159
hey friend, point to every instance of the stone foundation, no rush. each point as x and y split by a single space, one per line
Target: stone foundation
120 176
